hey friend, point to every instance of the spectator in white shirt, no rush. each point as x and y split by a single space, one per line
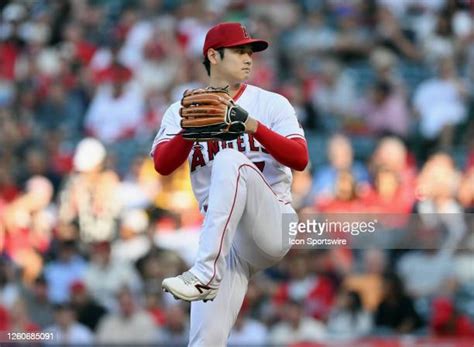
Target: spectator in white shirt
131 325
440 104
104 278
247 331
336 94
295 327
133 243
117 109
61 272
66 330
348 320
175 331
9 287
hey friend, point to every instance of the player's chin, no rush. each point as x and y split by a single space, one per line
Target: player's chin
244 75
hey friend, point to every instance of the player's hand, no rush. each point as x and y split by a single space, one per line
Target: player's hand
211 114
250 125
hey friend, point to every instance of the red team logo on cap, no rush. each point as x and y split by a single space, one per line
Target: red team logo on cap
246 34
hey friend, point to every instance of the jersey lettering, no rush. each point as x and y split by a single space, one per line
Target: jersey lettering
212 149
198 159
252 145
240 142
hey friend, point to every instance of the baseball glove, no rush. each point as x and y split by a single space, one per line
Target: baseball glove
211 114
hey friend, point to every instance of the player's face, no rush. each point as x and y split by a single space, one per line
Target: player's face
236 64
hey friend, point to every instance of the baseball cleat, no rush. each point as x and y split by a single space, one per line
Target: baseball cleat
187 287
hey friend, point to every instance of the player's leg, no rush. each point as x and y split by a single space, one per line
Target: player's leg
263 241
211 322
234 180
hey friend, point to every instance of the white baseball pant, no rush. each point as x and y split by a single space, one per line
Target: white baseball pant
241 234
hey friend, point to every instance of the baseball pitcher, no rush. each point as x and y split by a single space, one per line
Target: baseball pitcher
241 143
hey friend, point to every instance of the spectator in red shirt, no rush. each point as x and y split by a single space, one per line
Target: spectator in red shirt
466 191
345 198
4 318
11 42
8 189
19 319
470 159
316 292
392 153
154 306
81 49
447 321
28 226
386 195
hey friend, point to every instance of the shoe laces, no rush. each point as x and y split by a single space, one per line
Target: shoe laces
189 278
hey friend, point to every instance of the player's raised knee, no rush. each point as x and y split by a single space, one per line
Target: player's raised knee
230 157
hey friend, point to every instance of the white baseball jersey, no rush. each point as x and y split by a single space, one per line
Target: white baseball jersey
272 110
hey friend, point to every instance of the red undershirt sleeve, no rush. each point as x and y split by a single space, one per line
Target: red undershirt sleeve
291 152
170 155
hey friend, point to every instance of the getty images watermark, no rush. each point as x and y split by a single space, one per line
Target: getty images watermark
320 233
390 231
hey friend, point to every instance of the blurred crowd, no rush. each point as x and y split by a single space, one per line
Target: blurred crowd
384 90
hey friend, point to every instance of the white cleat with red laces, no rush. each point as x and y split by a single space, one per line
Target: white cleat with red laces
188 287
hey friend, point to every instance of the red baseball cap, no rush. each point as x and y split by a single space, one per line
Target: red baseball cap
77 287
231 34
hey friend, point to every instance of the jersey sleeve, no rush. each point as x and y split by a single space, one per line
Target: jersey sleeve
170 126
284 120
